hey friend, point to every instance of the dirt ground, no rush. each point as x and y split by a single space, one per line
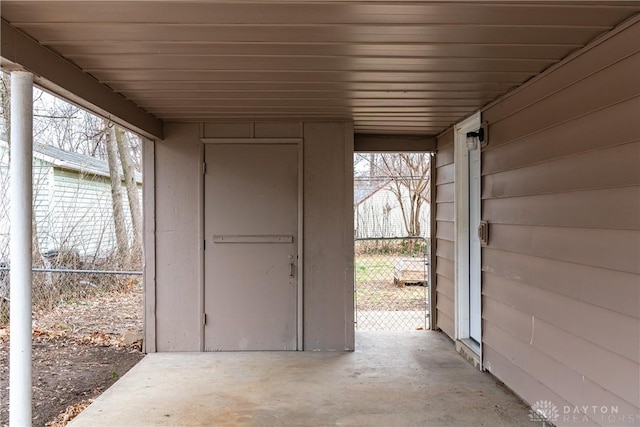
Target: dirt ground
384 295
377 287
79 350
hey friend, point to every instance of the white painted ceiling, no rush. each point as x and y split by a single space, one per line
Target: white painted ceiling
412 67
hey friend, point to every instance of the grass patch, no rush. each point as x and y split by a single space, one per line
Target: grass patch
375 288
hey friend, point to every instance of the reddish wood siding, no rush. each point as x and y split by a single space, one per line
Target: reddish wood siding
561 275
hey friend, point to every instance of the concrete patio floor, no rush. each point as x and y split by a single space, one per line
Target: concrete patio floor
392 379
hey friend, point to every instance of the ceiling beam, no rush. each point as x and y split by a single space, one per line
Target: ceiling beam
63 78
393 143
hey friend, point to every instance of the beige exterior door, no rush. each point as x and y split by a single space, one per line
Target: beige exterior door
251 223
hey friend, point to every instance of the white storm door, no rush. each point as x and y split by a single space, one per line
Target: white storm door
251 226
475 293
468 266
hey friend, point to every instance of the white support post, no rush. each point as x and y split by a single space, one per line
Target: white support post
20 247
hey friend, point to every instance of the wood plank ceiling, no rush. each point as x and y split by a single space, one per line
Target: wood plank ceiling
411 67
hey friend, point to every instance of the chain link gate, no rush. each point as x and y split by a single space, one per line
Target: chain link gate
391 283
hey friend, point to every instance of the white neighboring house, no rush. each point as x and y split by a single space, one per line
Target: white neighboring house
378 212
71 202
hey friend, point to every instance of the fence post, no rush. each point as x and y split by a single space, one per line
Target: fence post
20 247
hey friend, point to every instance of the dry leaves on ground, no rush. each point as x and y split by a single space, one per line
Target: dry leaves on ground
79 350
69 414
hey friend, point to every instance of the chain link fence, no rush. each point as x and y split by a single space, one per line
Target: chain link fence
391 283
65 278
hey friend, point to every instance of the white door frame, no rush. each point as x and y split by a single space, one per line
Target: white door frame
300 264
462 235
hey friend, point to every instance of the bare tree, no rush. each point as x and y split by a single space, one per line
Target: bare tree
116 193
411 172
409 175
71 128
129 172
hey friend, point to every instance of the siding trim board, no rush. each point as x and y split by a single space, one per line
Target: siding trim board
149 242
433 243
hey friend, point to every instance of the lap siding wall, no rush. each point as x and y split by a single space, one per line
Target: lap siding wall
561 275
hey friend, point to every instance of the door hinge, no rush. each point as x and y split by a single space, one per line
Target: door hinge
204 168
204 245
204 319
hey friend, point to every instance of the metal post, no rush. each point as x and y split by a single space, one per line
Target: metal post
20 247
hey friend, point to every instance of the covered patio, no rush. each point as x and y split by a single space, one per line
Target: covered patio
252 112
392 379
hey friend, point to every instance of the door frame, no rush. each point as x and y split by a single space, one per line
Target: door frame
464 344
300 267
